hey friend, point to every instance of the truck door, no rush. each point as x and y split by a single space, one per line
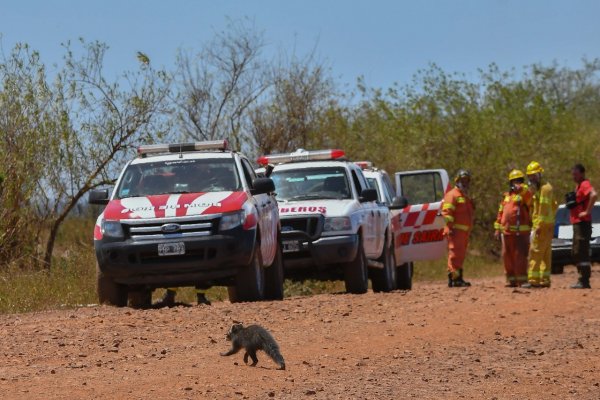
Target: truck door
267 212
420 236
369 214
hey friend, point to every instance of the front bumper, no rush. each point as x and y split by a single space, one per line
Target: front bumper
208 258
561 254
323 251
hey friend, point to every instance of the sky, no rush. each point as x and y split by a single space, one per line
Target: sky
384 41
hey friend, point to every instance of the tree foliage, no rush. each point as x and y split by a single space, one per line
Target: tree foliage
67 136
63 136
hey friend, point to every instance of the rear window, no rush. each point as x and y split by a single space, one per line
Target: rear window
596 214
179 176
562 216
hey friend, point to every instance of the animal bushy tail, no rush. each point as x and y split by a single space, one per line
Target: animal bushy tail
272 350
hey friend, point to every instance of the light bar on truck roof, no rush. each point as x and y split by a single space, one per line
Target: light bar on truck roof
183 147
364 164
302 155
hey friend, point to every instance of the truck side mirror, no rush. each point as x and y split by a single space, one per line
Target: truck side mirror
99 197
262 186
368 195
399 203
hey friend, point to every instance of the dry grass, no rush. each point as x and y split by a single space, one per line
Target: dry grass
72 280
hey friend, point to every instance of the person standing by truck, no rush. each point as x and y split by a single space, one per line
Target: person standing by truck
580 204
458 210
513 227
542 214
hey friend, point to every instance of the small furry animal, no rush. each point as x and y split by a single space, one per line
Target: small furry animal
253 338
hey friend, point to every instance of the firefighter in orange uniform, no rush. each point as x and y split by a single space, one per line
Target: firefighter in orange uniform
513 225
458 210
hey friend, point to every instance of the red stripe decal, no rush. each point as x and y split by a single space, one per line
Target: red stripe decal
430 217
412 218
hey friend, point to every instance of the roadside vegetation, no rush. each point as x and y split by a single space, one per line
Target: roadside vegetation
67 129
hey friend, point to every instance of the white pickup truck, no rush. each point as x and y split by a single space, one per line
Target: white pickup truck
188 214
415 219
331 221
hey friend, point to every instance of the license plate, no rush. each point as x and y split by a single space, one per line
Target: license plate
291 246
171 249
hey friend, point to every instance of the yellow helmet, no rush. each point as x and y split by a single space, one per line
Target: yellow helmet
516 174
534 167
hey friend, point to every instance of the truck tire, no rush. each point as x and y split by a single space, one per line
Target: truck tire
140 298
384 279
249 281
110 292
274 277
356 274
404 275
557 269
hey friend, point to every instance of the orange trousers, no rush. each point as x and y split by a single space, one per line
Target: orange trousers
457 249
515 249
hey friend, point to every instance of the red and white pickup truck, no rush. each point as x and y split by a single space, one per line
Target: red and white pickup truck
190 214
415 215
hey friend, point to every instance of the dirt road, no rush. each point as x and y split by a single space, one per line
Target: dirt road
483 342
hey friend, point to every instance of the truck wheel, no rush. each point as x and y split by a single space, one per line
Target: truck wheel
404 275
110 292
356 275
557 269
384 279
249 281
141 298
274 277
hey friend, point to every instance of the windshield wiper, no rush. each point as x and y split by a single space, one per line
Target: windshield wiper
315 197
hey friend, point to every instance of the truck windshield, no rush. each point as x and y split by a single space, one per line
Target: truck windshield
179 176
312 183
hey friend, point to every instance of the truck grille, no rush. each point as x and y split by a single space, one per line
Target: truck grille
312 226
169 228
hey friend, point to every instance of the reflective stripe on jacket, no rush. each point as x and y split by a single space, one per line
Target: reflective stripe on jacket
544 208
513 212
457 209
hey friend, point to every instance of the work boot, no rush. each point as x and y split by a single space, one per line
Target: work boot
527 285
459 281
450 279
201 299
168 299
585 272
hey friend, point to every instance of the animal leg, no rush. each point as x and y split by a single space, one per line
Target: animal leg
252 355
232 351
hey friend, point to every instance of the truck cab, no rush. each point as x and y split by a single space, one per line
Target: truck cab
415 215
192 214
331 220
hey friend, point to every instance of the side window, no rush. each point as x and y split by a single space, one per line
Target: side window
359 181
388 189
249 173
422 188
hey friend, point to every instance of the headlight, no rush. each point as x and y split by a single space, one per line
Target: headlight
112 229
230 221
337 224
